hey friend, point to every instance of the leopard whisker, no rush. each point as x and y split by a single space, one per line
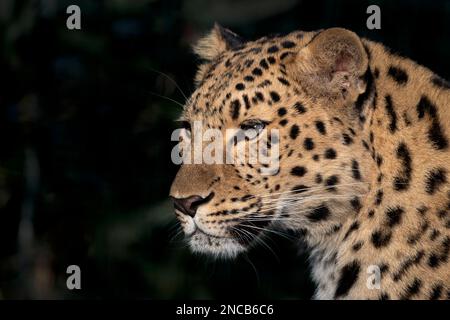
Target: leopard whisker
279 233
286 202
258 240
170 79
310 189
167 98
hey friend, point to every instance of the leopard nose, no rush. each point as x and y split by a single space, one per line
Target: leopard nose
190 204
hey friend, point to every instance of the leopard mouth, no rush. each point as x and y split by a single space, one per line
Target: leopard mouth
218 246
240 238
242 233
200 231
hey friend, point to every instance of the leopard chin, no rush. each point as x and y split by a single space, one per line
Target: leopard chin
218 247
241 237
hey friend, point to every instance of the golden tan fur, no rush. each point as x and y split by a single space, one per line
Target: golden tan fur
394 130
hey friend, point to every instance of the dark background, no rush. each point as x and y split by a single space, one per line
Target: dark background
85 145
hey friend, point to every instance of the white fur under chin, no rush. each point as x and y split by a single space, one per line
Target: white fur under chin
226 248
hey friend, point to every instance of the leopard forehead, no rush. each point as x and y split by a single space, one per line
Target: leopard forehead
245 76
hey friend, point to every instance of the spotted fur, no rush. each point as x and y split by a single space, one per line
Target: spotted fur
364 162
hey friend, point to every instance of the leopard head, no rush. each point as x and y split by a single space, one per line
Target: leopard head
307 88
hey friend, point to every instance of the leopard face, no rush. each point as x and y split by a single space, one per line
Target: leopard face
303 87
361 150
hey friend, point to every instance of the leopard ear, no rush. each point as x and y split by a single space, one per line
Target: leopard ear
334 61
218 40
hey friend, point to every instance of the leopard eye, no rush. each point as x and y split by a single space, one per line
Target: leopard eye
253 127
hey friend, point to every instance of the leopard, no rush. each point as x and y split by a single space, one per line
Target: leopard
364 160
